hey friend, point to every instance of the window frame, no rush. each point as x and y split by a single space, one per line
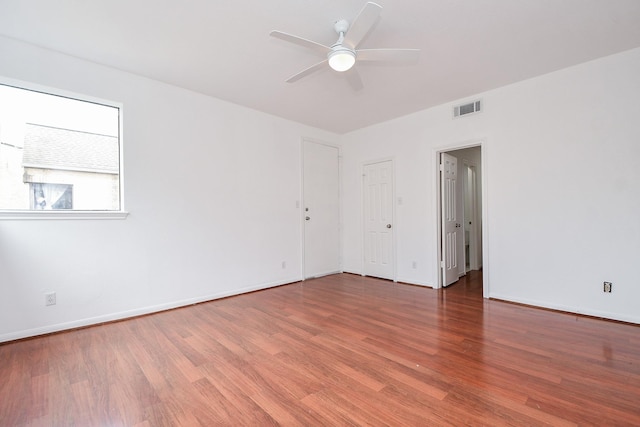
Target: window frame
68 214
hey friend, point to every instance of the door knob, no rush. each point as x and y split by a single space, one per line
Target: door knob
388 225
307 218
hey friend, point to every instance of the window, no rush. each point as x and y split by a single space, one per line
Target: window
58 152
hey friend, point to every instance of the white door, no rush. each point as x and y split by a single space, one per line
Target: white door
449 214
378 220
321 209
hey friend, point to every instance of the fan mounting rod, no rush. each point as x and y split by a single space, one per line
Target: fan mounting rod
341 27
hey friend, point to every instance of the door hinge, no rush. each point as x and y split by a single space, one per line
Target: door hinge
441 167
442 264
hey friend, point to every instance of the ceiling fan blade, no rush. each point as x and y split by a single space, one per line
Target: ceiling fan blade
362 24
300 41
399 55
353 77
307 71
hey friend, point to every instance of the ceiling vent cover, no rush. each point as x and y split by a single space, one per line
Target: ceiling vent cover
466 109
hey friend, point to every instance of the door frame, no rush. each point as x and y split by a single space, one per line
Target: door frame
393 213
480 142
300 205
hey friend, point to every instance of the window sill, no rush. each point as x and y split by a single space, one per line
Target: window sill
29 215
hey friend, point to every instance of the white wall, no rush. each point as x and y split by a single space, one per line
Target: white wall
560 164
211 188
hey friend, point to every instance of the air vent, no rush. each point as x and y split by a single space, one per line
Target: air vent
466 109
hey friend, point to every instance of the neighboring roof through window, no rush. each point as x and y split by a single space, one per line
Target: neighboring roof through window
55 148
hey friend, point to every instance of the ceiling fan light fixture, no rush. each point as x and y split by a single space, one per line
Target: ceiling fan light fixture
342 59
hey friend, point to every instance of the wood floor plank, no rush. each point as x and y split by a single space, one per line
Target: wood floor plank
337 350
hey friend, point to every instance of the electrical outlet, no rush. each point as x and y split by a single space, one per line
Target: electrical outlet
608 287
50 298
284 264
414 265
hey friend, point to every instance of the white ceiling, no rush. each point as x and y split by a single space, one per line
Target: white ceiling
222 47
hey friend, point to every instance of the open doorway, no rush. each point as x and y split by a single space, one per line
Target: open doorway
472 214
460 213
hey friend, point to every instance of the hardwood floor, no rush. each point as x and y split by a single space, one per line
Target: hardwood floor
338 350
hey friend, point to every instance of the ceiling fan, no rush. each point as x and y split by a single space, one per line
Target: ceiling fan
343 54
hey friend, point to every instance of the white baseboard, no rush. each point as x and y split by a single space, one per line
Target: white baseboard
568 309
398 280
90 321
324 273
414 282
